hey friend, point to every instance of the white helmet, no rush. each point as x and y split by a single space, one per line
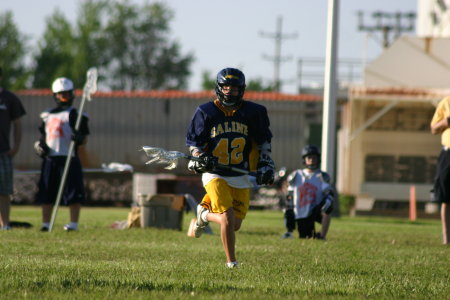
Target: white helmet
62 84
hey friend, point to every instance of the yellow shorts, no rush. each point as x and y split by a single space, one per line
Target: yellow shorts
220 197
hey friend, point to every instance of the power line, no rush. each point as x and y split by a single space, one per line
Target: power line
388 23
277 59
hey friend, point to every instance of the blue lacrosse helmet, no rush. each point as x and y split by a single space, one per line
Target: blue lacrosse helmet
230 77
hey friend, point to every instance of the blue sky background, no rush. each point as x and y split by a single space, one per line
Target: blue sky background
228 33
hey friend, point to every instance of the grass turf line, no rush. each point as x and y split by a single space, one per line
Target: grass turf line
362 258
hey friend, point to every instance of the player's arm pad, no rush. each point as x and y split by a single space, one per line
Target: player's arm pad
327 203
265 173
78 138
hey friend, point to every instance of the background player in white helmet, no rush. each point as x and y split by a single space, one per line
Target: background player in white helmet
309 197
57 132
225 131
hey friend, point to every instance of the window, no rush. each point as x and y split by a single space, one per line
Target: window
401 118
402 169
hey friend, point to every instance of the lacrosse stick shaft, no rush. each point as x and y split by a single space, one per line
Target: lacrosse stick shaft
61 185
86 94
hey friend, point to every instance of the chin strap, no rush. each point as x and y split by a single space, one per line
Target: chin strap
312 167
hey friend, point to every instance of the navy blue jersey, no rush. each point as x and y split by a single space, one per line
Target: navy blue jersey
229 135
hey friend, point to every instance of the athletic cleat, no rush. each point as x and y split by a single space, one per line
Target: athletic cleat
44 228
5 227
198 230
318 236
68 228
200 225
287 235
233 264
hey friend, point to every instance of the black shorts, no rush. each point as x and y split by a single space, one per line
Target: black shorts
442 179
305 227
51 173
6 174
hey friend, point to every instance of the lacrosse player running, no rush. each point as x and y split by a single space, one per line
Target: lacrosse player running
224 132
57 132
309 197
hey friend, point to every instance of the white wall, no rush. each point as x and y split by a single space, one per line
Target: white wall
412 62
429 26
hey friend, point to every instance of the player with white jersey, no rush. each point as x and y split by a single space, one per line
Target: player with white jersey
57 131
225 132
309 197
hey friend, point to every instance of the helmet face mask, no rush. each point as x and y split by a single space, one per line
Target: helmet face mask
308 151
64 98
230 77
62 89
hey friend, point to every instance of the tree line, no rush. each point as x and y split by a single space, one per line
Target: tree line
129 44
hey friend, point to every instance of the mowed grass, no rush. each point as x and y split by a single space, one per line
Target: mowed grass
377 258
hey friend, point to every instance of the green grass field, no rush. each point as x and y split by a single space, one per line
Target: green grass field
378 258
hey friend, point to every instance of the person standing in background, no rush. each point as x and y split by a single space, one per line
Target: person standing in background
11 110
57 132
440 124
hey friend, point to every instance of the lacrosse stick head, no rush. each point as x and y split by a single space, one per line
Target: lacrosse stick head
90 87
161 156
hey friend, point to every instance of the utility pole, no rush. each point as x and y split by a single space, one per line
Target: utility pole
330 90
277 58
386 23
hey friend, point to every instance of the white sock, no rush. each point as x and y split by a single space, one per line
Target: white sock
232 264
46 225
204 216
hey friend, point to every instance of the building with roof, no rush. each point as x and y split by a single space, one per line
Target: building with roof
122 122
385 144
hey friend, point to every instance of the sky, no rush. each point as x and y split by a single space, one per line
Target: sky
234 33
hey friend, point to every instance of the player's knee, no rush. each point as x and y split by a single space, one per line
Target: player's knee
226 219
237 224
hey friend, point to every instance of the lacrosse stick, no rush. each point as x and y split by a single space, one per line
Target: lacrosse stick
161 156
89 88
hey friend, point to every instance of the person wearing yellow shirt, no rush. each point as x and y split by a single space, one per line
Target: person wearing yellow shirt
440 124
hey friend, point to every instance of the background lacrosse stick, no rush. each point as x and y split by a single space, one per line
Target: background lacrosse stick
89 88
161 156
